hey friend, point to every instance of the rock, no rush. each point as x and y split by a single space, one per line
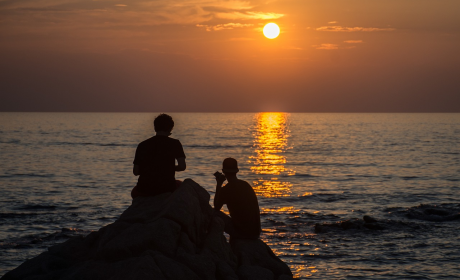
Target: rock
88 270
216 244
43 264
162 235
372 223
249 272
369 219
225 272
186 244
73 250
167 237
174 270
202 264
374 226
284 277
145 208
257 253
144 267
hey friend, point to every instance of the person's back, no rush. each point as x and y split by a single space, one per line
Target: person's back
243 206
155 160
241 202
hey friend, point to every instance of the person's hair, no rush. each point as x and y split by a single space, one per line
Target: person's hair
230 166
163 122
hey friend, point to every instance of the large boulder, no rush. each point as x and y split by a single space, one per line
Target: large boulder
257 253
170 236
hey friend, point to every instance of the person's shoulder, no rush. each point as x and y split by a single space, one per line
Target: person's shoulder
243 183
173 140
238 186
146 141
246 186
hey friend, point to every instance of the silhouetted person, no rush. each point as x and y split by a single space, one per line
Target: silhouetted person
155 160
241 202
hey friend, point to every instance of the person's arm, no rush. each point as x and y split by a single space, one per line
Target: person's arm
180 157
180 164
136 170
137 160
218 203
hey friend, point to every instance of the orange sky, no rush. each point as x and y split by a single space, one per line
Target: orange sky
208 55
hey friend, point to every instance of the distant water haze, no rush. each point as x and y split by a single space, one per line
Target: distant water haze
66 174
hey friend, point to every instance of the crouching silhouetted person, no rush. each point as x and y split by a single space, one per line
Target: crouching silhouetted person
155 161
241 201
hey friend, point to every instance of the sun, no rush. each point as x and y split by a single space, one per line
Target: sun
271 30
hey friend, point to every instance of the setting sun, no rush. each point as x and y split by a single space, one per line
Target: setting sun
271 30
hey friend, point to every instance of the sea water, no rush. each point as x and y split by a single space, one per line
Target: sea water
316 176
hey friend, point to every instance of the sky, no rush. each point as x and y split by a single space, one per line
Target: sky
211 56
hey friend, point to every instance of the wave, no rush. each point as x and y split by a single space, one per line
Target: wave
217 146
410 177
91 144
31 240
452 179
8 216
423 213
320 197
428 212
367 224
272 222
305 175
340 164
27 175
36 207
12 141
16 141
434 213
446 153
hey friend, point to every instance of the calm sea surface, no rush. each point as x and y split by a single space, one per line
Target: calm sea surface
316 176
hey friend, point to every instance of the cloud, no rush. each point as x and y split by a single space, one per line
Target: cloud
224 26
228 5
332 22
327 47
353 41
248 15
103 25
352 29
79 13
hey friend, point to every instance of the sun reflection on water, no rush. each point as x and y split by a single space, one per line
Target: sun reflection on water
270 143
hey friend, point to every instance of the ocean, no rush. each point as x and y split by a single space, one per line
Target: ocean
316 176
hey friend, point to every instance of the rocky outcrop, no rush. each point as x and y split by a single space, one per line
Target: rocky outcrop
170 236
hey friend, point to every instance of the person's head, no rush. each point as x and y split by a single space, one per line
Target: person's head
163 122
230 167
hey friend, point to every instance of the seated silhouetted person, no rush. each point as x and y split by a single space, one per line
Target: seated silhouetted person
155 160
241 202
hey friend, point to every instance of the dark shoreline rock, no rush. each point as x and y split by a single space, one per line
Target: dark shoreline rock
171 236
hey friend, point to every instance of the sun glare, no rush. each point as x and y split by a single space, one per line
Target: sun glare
271 30
269 160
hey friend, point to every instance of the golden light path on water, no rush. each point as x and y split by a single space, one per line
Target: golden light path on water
270 143
269 161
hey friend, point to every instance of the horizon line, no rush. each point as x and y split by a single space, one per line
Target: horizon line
246 112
